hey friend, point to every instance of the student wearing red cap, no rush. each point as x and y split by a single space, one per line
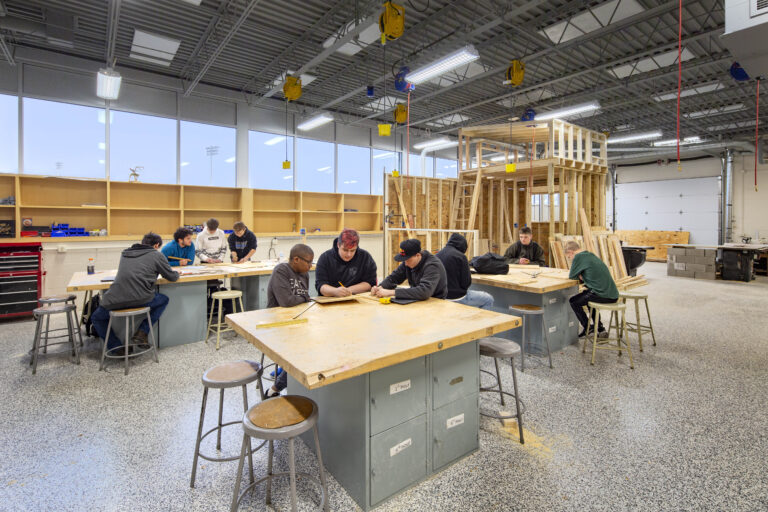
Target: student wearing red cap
345 269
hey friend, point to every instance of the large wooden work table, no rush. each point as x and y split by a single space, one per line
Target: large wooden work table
397 385
548 288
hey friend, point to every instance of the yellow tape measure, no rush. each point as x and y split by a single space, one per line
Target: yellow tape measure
385 300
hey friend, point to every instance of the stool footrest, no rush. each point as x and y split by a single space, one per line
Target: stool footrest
304 474
225 459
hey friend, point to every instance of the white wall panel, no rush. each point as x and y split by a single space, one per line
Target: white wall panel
204 110
145 100
353 135
9 76
57 85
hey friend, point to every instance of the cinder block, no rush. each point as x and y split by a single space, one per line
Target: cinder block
695 267
711 253
680 266
705 275
711 268
685 259
672 251
685 273
694 252
704 260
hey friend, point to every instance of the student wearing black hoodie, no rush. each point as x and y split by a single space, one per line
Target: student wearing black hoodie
134 286
525 251
425 274
459 278
345 269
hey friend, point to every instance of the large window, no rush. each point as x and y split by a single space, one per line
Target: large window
446 168
266 153
354 170
63 140
9 128
142 141
314 165
415 162
383 162
207 155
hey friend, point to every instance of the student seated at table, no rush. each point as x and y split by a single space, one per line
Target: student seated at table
134 286
345 269
454 259
211 243
598 281
180 251
425 274
289 286
242 243
525 251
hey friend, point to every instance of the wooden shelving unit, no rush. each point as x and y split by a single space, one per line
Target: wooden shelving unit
128 210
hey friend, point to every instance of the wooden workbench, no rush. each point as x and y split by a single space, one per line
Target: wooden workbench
396 385
545 287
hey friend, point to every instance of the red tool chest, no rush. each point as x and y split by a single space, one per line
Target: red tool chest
21 278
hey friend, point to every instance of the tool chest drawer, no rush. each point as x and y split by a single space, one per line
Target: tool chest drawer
19 262
398 458
17 283
398 393
454 374
454 431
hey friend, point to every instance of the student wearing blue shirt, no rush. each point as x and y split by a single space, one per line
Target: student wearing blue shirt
180 251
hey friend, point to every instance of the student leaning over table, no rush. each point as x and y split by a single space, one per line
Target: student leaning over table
288 287
425 274
345 269
459 277
211 243
180 251
134 286
242 243
525 251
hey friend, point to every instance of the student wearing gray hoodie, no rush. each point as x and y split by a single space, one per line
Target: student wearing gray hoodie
134 286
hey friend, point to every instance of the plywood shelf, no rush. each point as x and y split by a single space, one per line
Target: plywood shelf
128 209
55 207
276 211
7 206
210 210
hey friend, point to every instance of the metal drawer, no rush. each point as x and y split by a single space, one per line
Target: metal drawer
398 393
454 431
11 284
16 263
454 374
398 458
25 306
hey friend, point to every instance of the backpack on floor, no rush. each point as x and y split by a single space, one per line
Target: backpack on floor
490 263
85 318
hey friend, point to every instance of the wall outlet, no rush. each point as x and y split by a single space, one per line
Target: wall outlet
61 248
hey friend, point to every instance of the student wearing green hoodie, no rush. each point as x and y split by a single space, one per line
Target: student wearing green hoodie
597 279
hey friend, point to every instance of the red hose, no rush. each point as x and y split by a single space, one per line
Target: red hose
679 76
408 136
757 123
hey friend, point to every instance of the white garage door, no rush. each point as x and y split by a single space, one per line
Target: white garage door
671 205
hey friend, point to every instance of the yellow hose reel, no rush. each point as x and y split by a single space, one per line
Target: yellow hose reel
292 88
515 73
391 22
401 113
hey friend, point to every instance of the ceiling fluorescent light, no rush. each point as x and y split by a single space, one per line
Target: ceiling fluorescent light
385 155
108 84
501 158
451 61
430 143
671 142
193 2
634 137
315 122
566 112
274 140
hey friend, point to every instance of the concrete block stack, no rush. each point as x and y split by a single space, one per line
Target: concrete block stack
688 262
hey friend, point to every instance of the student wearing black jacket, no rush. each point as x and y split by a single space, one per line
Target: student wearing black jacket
242 243
425 274
345 269
525 251
458 275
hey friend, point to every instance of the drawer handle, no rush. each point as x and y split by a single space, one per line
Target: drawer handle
373 401
456 380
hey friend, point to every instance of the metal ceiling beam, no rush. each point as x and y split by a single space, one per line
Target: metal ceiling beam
6 51
112 23
221 45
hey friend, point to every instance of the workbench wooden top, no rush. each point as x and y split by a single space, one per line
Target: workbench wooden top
346 339
548 280
82 281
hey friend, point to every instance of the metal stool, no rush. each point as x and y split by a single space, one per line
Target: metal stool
527 310
621 327
217 327
224 376
130 327
637 326
64 298
47 311
500 348
285 417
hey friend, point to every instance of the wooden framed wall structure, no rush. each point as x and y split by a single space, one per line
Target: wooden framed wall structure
128 210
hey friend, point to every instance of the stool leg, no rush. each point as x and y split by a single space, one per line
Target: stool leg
629 349
618 330
545 334
71 331
594 341
152 339
199 435
218 325
236 494
522 347
127 341
268 498
47 328
250 441
323 484
292 468
36 345
221 412
637 319
586 330
77 324
106 342
518 409
650 324
210 320
242 309
498 378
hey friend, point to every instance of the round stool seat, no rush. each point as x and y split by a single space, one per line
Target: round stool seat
280 417
55 299
608 307
527 309
633 295
227 294
53 309
232 374
120 313
498 347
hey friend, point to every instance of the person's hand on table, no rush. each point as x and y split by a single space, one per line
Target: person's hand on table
234 259
382 292
214 261
524 261
341 291
184 262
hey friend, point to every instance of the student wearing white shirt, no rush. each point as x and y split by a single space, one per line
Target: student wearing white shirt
211 243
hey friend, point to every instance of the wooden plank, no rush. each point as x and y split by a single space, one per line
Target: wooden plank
551 196
515 211
527 221
572 212
580 195
657 239
621 266
570 142
586 231
562 200
521 281
588 198
579 145
402 205
588 148
602 220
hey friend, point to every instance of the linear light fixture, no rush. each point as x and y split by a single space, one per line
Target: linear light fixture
671 142
108 84
316 121
634 137
274 140
385 155
501 158
451 61
566 112
430 143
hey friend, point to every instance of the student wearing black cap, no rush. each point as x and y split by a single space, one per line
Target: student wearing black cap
424 272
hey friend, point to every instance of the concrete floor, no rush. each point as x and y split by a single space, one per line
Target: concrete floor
685 430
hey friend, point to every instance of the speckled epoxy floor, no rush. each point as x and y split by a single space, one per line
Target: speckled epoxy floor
685 430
